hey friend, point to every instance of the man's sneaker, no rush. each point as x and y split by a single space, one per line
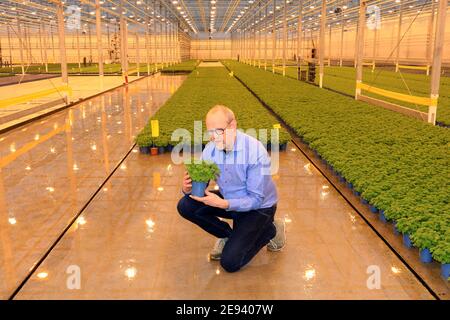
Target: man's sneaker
278 242
216 252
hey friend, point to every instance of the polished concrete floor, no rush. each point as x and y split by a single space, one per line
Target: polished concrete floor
49 169
130 243
82 88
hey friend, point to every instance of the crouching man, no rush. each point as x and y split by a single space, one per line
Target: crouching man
246 194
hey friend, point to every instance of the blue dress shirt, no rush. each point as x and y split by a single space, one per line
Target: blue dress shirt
245 180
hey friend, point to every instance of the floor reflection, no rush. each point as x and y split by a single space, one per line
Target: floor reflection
149 252
50 168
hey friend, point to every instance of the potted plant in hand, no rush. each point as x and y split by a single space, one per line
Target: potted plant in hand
144 141
201 172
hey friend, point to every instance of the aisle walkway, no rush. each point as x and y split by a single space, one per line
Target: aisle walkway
132 244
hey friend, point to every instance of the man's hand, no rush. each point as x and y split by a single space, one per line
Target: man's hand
187 183
212 199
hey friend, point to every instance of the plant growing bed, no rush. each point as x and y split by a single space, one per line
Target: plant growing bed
397 164
182 67
201 91
342 79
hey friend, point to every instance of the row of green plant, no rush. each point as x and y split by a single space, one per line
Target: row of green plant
398 164
74 68
201 91
342 79
182 67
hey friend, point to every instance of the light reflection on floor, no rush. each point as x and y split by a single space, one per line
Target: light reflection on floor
149 252
51 167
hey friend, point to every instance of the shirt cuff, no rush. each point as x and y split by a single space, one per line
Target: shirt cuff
233 204
186 194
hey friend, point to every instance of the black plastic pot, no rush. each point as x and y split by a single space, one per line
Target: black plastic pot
144 150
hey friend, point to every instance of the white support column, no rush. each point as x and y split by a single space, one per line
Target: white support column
374 52
154 34
299 34
138 66
2 60
98 28
90 43
41 46
10 48
78 51
123 44
147 32
160 40
19 34
244 46
360 47
285 33
399 35
356 44
266 32
28 36
342 40
254 42
437 59
26 43
274 44
166 52
170 43
329 46
259 36
430 38
62 44
323 19
53 43
44 42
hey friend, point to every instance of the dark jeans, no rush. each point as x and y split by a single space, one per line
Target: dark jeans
252 230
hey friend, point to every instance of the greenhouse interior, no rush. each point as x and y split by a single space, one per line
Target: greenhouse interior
236 150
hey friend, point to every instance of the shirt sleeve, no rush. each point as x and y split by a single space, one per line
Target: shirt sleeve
256 182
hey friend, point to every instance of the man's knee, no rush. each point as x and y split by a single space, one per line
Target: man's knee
184 207
230 263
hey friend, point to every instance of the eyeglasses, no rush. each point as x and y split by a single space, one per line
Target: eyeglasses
218 131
